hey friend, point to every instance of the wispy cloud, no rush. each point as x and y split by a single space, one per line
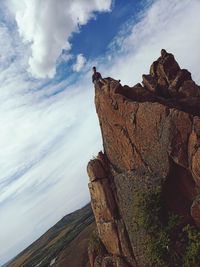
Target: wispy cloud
42 153
50 130
80 62
172 25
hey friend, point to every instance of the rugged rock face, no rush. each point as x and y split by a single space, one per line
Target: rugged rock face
145 184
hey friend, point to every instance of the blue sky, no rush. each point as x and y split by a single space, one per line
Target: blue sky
49 127
93 39
96 36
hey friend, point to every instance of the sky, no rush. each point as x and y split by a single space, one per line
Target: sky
49 127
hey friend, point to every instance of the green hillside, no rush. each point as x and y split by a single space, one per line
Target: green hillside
57 243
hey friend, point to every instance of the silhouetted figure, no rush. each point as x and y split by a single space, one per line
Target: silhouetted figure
96 77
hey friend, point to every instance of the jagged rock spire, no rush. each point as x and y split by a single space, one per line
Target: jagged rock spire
151 141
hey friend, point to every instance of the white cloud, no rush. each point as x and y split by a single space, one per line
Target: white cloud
45 146
42 158
47 136
80 62
47 25
172 25
45 150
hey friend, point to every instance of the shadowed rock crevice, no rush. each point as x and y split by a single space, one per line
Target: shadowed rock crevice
179 191
144 186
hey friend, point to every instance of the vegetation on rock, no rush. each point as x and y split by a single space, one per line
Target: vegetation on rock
159 228
191 256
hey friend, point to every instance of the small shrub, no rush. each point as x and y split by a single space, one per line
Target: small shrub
191 257
158 226
149 207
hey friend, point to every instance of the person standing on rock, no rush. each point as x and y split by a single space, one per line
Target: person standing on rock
96 77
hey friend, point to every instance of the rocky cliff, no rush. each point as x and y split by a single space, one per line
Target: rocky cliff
145 185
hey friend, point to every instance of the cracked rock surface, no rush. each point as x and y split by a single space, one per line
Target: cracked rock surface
151 137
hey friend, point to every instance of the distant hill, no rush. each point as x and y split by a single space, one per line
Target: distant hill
61 244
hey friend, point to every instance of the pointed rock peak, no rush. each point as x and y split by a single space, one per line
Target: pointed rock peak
145 184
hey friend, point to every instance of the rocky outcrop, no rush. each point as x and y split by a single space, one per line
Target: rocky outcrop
146 181
110 225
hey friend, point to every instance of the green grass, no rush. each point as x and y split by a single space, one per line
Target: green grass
40 250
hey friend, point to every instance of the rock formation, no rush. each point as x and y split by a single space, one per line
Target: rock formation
145 185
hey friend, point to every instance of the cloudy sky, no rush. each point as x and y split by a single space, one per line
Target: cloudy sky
49 128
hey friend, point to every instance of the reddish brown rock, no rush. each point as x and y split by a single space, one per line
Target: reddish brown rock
151 138
96 170
194 150
196 166
180 129
169 80
175 87
109 236
182 75
167 67
189 89
103 203
125 244
111 230
150 83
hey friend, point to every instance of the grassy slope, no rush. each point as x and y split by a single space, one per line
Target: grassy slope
76 252
64 241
